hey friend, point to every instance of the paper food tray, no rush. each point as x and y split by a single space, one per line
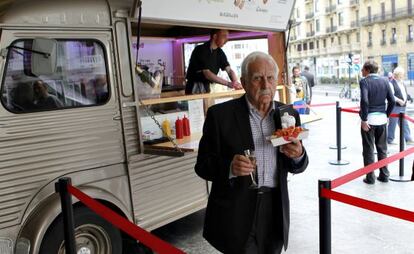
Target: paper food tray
278 141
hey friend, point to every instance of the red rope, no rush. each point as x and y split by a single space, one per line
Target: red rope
368 205
350 110
362 171
125 225
409 118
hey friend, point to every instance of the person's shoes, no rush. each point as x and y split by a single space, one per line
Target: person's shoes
409 143
382 179
392 143
368 181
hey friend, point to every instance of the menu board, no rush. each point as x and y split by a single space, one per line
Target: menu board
264 15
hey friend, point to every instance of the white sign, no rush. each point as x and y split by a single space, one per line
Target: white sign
267 15
196 115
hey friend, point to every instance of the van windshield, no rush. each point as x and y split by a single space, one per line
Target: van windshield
80 78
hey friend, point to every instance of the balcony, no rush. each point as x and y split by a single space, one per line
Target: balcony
292 38
354 2
330 8
369 44
383 42
331 29
309 15
310 34
393 41
355 24
387 16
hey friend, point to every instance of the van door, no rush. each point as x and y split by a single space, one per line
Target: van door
53 125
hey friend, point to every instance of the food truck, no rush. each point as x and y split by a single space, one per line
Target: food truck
85 92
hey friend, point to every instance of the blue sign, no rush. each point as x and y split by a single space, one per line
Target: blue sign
410 66
389 62
357 67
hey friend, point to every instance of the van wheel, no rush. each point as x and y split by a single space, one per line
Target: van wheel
93 235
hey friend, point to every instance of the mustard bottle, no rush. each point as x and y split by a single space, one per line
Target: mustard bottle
166 128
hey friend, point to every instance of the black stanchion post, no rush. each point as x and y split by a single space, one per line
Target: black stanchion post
325 233
401 177
336 146
339 160
67 212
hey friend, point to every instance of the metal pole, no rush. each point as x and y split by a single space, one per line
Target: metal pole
325 233
339 160
336 146
67 213
401 121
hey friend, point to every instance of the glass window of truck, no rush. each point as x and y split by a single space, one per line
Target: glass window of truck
80 78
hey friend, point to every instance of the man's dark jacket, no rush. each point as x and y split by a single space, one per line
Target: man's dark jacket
231 205
374 91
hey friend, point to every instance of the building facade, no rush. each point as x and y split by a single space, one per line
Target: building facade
324 34
387 34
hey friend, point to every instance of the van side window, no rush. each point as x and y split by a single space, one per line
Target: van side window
80 79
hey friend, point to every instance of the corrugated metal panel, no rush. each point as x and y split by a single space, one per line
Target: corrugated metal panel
165 188
36 148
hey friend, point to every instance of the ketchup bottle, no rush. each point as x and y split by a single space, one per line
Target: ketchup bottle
186 126
179 128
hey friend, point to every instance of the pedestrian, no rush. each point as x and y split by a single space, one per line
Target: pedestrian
400 95
303 91
310 77
374 113
205 62
240 219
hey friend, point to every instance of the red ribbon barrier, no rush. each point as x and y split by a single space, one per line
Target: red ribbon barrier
360 172
125 225
314 105
350 110
368 205
409 118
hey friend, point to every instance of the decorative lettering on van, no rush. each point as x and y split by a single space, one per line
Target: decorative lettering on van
229 15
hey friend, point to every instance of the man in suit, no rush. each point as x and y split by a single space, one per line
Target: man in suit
374 115
240 219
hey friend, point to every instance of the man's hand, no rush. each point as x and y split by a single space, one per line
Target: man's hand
292 150
241 165
236 85
365 126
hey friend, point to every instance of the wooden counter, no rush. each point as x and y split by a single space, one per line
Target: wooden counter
234 93
188 143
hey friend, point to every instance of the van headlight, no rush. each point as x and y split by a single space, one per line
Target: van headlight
22 246
6 245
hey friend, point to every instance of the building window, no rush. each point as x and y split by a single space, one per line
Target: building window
311 45
332 40
297 13
383 37
410 35
317 25
317 44
410 6
299 47
339 40
316 5
358 37
80 79
340 19
369 39
382 11
347 39
393 8
305 46
324 43
393 35
369 13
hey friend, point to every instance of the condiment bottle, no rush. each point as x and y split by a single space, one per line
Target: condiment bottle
179 132
186 126
166 128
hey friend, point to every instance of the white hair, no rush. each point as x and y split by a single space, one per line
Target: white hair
253 57
398 72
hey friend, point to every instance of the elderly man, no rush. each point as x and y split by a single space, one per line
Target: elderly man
240 219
